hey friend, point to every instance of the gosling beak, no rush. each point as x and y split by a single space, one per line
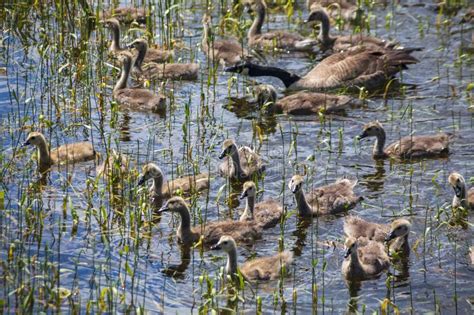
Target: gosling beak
458 191
130 45
222 155
347 253
389 237
361 136
243 195
163 209
216 247
238 68
293 189
141 180
27 142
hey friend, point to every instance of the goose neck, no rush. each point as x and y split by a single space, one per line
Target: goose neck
236 161
324 31
122 82
249 209
256 28
142 49
115 45
304 208
231 267
379 144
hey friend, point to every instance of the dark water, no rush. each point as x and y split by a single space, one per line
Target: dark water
436 277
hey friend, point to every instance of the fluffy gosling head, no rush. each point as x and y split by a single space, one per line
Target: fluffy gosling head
249 190
125 58
174 204
226 243
372 129
254 5
228 148
398 228
317 14
34 138
296 183
150 170
138 44
112 23
350 246
458 183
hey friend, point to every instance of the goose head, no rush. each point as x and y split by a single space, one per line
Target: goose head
372 129
174 204
228 148
350 246
249 190
398 228
265 93
34 138
125 58
150 170
317 14
112 23
244 68
296 183
226 243
254 6
207 20
139 44
458 183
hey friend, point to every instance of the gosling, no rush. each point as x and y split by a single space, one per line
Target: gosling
409 147
69 153
161 190
266 214
364 259
330 199
210 233
263 268
462 197
239 163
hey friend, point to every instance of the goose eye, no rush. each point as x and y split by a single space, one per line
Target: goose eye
225 243
33 138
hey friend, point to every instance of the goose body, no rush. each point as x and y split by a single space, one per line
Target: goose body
304 102
135 98
409 147
352 69
364 259
125 15
161 189
223 51
330 199
211 232
70 153
462 196
266 214
347 10
394 234
263 268
274 39
239 163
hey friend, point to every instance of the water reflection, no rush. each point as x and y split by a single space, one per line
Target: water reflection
375 181
178 271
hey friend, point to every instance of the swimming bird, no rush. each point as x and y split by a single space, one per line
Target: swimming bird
303 102
266 214
224 51
161 189
116 165
274 39
364 259
409 147
351 70
262 268
330 199
347 10
394 234
239 163
70 153
161 71
125 15
135 98
210 232
462 197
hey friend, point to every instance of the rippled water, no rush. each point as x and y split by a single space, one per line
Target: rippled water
88 258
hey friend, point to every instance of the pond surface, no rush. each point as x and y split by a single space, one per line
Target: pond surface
68 245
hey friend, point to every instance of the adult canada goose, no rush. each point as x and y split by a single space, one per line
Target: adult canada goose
266 214
125 15
239 163
135 98
116 165
409 147
275 39
462 197
352 69
161 71
223 51
364 259
68 153
262 268
341 43
303 102
347 10
330 199
161 190
395 233
211 232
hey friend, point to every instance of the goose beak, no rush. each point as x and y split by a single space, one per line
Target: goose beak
243 195
361 136
141 180
216 247
222 155
163 209
347 253
129 45
238 68
389 237
26 143
457 191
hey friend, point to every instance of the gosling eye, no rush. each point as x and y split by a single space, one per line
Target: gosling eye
33 138
225 242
